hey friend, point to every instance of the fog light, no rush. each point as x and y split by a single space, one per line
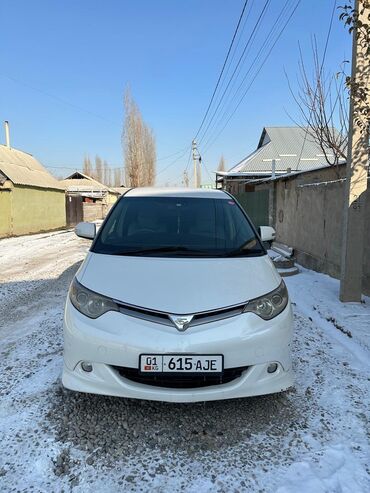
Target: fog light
86 366
272 367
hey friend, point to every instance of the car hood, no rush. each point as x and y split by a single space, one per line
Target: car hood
179 285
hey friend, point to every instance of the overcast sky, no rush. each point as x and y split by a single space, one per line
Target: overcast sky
65 64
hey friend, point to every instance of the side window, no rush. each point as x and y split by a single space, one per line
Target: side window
236 223
230 225
244 231
225 226
114 228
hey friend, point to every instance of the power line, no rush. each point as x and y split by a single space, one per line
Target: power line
115 166
79 108
189 158
207 170
238 41
187 165
173 162
223 68
254 63
60 100
172 155
227 104
66 167
111 166
256 74
208 143
321 67
250 38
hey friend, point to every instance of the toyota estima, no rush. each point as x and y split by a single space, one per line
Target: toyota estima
177 300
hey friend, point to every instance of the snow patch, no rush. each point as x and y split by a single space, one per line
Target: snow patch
335 470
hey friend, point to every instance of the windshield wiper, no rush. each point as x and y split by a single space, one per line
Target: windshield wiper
165 249
245 250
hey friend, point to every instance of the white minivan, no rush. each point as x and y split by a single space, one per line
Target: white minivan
177 300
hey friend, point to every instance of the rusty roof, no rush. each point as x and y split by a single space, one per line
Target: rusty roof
23 169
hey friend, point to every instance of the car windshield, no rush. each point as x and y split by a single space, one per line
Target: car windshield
177 226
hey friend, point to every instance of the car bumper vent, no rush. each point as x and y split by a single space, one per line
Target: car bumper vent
180 380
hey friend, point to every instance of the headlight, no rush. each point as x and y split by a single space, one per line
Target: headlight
91 304
269 305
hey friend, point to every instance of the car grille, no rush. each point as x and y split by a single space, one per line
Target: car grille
164 319
180 380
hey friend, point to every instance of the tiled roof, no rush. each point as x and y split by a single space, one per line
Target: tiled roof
23 169
291 147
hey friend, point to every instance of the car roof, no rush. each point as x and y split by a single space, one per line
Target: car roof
206 193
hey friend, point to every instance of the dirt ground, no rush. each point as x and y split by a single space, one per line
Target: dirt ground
313 438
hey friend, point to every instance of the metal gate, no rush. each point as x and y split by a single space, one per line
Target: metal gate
256 205
74 211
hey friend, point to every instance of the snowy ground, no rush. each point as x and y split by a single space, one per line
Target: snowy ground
314 438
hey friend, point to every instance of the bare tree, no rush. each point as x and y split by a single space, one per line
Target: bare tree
98 172
118 177
101 171
359 88
138 145
185 179
106 174
323 107
221 164
150 157
87 168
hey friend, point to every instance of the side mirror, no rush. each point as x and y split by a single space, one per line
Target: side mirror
267 233
86 230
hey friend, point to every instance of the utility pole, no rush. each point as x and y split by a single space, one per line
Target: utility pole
357 170
196 163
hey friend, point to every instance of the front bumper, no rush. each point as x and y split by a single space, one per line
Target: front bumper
115 339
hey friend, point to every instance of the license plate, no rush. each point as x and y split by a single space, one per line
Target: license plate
181 363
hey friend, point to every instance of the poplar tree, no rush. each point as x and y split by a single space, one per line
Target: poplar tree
139 147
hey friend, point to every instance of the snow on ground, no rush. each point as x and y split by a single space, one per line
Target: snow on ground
318 297
314 438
